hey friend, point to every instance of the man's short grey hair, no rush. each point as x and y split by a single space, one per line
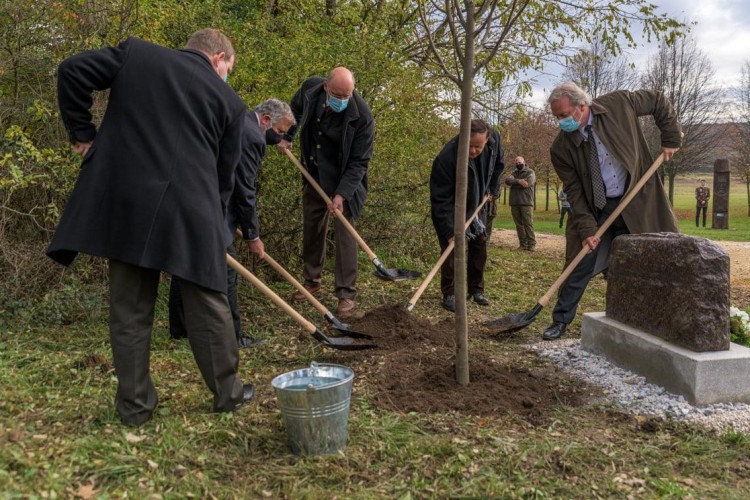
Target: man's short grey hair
575 94
277 110
211 42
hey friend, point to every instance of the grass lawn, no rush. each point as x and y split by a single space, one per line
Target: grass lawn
60 436
684 207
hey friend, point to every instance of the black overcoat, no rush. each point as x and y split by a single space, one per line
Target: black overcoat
484 178
350 178
243 210
154 187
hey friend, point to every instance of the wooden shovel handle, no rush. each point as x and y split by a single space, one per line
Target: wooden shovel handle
270 294
602 229
283 272
325 198
443 257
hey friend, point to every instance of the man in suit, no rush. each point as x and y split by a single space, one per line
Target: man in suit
599 154
702 195
272 116
337 131
484 169
151 196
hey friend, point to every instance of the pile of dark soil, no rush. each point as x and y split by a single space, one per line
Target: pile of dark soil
413 370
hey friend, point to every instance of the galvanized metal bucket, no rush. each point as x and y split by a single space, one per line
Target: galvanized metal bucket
315 406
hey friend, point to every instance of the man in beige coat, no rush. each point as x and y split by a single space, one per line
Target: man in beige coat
599 155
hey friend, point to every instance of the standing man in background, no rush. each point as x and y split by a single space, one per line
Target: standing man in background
521 201
337 132
702 194
564 205
484 169
152 195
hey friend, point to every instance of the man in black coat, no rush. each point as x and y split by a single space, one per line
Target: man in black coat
484 169
271 115
152 195
337 133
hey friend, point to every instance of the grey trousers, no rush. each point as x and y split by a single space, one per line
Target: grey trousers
314 228
208 320
523 217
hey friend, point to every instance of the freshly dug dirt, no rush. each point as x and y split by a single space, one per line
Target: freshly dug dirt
413 369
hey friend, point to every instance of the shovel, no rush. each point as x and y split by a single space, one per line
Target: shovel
518 321
344 328
380 271
341 343
443 257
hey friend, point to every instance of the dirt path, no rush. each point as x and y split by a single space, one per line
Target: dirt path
739 258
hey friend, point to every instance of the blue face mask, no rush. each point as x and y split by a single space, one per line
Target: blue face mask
226 77
569 124
337 105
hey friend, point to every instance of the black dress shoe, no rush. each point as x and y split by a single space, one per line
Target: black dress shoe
247 341
480 299
449 303
555 331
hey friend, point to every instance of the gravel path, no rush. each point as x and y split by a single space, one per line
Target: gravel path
632 393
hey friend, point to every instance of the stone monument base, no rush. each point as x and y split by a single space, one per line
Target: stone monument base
703 378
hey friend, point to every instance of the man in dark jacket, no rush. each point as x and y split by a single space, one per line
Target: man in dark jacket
521 201
337 131
484 169
702 195
152 196
599 155
270 115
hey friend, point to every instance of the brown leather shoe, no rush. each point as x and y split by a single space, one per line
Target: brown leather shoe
299 297
345 306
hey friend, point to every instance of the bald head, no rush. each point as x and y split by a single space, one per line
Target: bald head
340 82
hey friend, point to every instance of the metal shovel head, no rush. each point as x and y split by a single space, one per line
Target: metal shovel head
340 343
345 329
514 322
395 274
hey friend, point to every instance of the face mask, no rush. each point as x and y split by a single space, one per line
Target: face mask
226 77
569 124
519 166
337 105
272 137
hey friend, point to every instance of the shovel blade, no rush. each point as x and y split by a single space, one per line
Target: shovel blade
395 274
514 322
340 343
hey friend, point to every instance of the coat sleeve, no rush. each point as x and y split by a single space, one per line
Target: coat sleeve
494 189
244 196
77 78
656 104
531 179
297 105
442 196
230 147
359 158
582 222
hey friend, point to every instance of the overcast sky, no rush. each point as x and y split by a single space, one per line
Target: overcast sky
722 32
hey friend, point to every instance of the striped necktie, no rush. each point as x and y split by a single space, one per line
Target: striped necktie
597 183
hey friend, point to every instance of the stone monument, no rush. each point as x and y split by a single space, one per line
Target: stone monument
667 317
720 210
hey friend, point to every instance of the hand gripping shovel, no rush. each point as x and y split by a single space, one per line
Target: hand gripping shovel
335 323
443 257
344 344
380 271
518 321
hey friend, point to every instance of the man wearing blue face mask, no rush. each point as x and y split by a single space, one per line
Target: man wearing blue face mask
599 155
337 131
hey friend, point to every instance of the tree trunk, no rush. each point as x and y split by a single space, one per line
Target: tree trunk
459 214
546 202
747 186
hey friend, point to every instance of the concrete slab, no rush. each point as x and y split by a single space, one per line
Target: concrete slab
703 378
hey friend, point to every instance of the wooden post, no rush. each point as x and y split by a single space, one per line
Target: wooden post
720 196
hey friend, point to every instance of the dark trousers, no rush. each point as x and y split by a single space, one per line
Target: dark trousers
563 211
698 213
314 231
574 287
491 215
523 217
177 328
476 258
133 293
